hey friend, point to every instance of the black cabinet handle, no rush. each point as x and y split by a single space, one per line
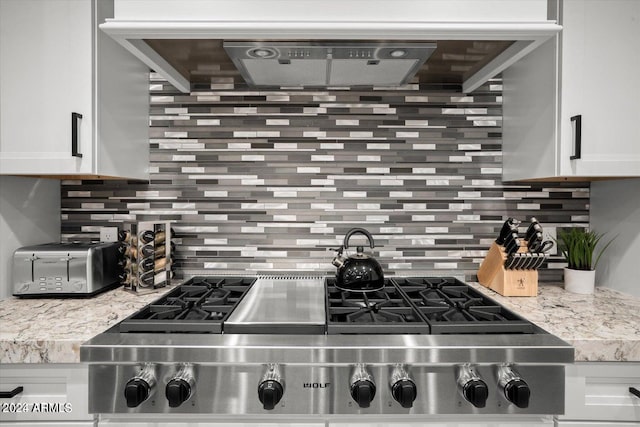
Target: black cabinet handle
634 391
74 134
578 143
9 394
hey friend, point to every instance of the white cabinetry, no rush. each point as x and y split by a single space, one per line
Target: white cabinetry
53 394
453 421
193 422
590 70
54 62
597 393
441 421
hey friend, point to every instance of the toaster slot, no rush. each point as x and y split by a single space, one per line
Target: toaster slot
21 270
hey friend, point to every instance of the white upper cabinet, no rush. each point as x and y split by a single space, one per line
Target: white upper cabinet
572 107
72 101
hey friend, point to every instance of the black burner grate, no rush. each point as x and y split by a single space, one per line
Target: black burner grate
452 307
200 305
386 311
404 306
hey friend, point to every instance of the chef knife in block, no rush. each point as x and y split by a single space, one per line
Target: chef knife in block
540 257
509 226
533 228
511 261
512 243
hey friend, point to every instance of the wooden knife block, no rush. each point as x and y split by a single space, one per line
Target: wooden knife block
510 283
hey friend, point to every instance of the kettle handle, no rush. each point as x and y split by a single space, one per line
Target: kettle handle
356 231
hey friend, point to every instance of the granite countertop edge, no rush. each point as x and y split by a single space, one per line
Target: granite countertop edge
52 330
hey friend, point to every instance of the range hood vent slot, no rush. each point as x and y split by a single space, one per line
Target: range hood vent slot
340 64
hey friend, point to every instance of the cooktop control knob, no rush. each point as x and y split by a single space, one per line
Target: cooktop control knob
178 391
476 393
403 389
363 388
181 387
140 387
271 388
472 387
363 392
270 392
515 389
518 392
136 391
404 392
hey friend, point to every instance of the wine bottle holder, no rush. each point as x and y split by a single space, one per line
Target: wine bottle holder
147 253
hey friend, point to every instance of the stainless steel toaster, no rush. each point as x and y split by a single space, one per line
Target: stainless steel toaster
65 269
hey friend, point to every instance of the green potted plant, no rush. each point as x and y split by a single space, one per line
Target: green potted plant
578 246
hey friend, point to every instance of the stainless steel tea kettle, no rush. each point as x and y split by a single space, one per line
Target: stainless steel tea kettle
360 272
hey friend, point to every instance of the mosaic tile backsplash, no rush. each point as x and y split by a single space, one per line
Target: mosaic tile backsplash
270 181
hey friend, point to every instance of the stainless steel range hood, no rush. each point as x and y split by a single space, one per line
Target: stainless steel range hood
311 64
183 40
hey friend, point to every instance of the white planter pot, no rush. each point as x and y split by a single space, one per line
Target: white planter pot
579 281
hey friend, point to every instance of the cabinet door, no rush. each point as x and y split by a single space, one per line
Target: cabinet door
51 392
453 421
47 424
600 391
195 422
599 69
46 68
593 424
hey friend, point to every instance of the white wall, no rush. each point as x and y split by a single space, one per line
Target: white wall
615 209
29 214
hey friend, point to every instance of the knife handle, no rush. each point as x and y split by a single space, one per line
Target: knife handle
513 246
532 230
532 223
509 225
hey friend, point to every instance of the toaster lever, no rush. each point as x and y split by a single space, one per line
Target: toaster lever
67 259
31 259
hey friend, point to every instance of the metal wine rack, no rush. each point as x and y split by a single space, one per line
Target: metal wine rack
147 251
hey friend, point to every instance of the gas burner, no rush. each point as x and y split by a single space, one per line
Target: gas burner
373 314
372 311
385 311
452 307
218 296
164 311
198 306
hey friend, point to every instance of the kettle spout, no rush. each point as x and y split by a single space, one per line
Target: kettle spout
338 261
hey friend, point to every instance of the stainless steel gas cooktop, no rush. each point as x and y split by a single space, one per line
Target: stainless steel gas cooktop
277 346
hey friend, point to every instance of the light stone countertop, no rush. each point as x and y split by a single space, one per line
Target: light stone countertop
602 327
50 330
